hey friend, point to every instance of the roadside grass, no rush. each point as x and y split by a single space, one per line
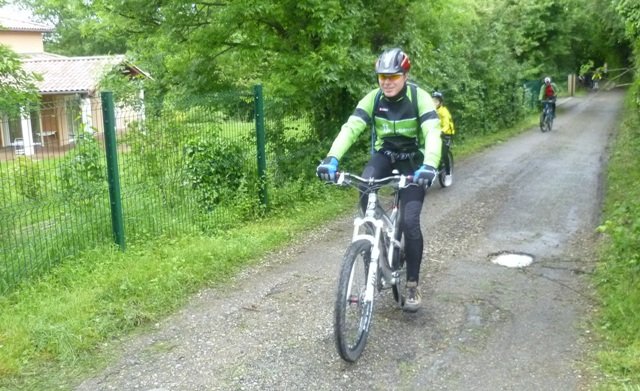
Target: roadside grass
476 144
618 273
61 327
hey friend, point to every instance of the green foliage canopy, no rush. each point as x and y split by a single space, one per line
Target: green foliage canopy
318 55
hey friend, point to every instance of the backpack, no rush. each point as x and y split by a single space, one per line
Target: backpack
376 103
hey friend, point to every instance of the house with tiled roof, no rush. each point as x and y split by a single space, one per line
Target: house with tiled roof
69 89
19 34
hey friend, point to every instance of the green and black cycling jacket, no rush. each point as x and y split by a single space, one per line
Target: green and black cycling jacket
392 119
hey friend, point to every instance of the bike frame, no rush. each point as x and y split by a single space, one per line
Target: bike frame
385 224
547 106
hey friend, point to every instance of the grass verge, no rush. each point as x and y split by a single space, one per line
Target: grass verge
618 273
57 329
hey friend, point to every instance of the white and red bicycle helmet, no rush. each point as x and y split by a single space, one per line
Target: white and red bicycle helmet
393 61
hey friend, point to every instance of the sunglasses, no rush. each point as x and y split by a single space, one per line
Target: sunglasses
394 77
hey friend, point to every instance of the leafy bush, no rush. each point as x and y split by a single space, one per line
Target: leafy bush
28 178
83 173
151 150
214 170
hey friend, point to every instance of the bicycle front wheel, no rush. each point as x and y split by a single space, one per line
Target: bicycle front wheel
352 313
546 121
549 122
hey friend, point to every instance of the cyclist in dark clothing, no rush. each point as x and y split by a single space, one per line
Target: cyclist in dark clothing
407 138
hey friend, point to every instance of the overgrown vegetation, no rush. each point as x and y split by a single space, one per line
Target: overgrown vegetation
618 273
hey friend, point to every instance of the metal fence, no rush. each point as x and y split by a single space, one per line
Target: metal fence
531 90
76 173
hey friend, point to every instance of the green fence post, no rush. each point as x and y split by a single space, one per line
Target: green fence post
261 142
109 121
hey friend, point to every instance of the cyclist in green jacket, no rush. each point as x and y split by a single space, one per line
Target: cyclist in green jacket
407 138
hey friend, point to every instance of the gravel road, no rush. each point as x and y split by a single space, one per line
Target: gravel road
482 326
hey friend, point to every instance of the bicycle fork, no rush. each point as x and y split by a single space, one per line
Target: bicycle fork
378 258
374 239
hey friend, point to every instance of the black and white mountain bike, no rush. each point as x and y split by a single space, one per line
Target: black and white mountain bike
373 262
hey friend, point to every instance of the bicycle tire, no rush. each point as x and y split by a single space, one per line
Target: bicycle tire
549 122
546 121
351 334
443 172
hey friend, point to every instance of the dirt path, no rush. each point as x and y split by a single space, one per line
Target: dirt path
482 326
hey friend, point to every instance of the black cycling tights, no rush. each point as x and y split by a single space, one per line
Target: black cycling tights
411 199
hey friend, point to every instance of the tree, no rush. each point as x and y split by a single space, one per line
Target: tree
80 30
17 87
318 55
317 52
629 11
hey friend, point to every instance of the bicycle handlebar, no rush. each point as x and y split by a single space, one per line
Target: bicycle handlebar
398 181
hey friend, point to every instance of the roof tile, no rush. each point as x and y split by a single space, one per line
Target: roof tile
15 19
71 74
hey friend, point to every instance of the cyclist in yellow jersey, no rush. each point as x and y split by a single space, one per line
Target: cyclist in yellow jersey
448 130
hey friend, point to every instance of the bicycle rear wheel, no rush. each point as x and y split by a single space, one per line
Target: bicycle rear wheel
442 174
352 313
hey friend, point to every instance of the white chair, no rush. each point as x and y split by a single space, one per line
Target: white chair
18 146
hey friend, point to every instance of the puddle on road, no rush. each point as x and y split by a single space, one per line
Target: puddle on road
509 259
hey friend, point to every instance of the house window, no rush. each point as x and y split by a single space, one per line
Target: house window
15 128
14 125
73 116
36 128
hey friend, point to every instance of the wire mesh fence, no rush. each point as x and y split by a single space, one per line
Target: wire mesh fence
184 167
